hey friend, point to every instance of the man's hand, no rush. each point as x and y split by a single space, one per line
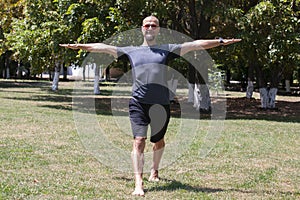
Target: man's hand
70 46
230 41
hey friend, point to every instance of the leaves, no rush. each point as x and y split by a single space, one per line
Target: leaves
269 29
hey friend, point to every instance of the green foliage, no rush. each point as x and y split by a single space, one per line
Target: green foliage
269 29
92 30
271 33
35 38
9 9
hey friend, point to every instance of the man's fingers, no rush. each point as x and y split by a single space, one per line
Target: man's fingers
71 46
65 45
231 41
236 40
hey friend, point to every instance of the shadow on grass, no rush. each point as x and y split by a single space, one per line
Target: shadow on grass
243 108
237 108
24 84
173 185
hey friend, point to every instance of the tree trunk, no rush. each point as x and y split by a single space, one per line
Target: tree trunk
19 72
6 66
7 73
97 79
268 97
228 76
250 86
198 89
250 89
172 85
272 97
298 75
192 81
261 81
287 86
56 77
107 74
83 72
191 87
202 84
201 97
65 72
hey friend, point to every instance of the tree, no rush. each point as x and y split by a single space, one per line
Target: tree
89 22
36 36
10 9
270 33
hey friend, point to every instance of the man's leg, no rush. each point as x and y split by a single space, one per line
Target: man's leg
138 164
158 149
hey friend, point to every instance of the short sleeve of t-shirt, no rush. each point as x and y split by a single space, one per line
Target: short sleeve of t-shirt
174 50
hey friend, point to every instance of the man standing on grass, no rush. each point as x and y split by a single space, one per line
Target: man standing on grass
150 104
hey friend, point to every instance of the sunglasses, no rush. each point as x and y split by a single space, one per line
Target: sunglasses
147 26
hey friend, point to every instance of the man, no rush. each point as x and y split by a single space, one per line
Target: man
149 104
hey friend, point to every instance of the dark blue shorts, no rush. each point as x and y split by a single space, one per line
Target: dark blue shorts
155 115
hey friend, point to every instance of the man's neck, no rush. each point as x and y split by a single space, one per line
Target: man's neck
149 43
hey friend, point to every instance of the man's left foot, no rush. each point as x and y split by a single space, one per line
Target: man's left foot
154 176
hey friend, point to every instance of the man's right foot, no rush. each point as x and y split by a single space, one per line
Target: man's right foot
139 190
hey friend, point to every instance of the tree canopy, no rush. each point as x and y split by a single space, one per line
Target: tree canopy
32 30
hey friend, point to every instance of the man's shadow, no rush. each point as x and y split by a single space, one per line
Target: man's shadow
172 185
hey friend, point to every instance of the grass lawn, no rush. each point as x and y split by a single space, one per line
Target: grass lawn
43 156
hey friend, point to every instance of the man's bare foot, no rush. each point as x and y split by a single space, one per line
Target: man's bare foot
154 176
139 190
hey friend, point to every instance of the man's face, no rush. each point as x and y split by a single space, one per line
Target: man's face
150 28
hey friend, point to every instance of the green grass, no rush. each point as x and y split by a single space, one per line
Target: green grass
43 157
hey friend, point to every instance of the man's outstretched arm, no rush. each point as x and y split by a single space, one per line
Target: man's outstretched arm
94 47
205 44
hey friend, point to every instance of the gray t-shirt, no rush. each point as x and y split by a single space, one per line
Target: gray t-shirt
149 71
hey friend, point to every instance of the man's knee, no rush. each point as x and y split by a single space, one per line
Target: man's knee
140 139
139 143
159 145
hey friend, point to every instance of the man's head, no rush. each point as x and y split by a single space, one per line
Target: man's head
150 28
